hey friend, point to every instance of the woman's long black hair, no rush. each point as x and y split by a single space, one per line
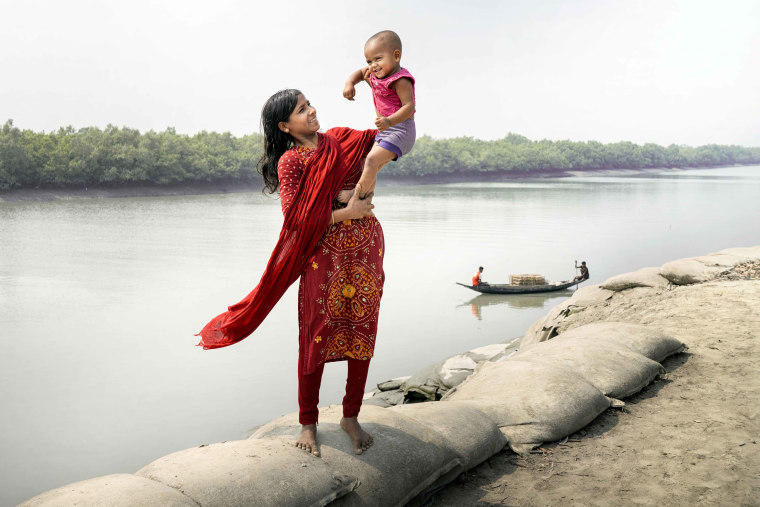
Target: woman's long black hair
276 142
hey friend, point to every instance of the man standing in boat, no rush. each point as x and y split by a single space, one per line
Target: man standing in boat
584 272
476 280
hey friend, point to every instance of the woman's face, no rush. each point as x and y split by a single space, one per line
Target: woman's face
302 122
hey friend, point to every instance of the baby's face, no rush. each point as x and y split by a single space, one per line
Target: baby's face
382 60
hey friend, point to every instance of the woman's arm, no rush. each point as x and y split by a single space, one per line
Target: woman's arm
356 208
289 171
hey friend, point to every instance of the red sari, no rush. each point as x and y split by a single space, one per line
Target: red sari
340 290
341 300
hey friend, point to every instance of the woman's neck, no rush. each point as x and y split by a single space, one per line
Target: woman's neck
310 141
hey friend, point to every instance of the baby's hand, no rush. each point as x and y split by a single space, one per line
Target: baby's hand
349 91
382 123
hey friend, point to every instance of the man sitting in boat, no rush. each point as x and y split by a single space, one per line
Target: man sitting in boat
584 272
476 280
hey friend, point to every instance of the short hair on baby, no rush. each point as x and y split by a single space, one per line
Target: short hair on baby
388 37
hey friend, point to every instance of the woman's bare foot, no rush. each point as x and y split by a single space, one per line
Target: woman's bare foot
308 439
360 438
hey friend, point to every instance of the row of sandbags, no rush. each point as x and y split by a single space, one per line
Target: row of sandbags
542 394
679 272
557 387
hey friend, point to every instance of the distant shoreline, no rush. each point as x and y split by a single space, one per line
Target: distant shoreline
56 194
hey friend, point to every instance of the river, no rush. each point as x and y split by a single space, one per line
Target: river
100 299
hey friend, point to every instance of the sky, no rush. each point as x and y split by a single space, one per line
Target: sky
662 71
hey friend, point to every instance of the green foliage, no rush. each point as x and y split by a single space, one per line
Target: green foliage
123 156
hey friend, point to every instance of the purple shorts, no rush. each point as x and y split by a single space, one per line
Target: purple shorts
399 138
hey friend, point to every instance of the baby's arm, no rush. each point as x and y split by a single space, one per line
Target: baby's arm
355 78
405 92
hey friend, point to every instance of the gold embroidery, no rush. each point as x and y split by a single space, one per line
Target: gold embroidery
349 291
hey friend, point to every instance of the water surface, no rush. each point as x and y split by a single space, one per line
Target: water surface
100 298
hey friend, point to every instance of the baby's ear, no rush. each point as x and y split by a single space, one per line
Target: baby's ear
397 54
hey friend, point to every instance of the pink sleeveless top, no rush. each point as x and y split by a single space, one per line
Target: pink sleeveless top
386 100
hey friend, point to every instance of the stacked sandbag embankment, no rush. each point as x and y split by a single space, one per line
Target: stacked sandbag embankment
522 399
543 393
559 386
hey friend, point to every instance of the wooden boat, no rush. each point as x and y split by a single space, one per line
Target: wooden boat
505 288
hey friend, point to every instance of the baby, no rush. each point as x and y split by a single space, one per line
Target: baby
393 95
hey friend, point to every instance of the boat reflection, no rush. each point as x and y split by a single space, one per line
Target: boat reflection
541 300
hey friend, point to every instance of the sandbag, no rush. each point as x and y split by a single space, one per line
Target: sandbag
726 261
752 253
433 381
386 399
392 384
250 472
406 459
111 490
688 271
546 327
425 383
646 341
489 352
611 367
531 403
645 277
589 296
465 428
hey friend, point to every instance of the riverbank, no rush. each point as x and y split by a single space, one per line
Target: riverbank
56 194
690 438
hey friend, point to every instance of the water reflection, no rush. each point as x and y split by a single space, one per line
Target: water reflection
517 301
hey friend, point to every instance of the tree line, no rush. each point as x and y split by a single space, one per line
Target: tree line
114 156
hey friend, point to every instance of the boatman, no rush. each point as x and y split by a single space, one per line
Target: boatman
584 272
476 278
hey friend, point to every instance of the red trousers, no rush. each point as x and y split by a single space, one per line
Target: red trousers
308 391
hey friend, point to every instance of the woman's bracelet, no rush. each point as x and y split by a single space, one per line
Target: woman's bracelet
332 218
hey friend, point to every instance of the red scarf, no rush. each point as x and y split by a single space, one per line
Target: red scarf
338 151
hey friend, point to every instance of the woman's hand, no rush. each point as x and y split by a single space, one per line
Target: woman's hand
357 208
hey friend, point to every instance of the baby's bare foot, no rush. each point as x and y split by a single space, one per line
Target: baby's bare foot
308 439
360 438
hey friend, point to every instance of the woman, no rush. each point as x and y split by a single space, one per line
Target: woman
335 248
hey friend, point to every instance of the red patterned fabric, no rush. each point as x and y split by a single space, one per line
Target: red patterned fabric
340 152
339 293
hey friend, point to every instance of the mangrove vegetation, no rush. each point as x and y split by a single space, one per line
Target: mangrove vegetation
122 156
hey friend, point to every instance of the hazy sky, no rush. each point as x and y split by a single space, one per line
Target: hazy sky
664 71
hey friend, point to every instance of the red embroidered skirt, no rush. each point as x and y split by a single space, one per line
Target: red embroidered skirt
339 294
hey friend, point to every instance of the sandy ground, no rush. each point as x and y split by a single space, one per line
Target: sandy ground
690 438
